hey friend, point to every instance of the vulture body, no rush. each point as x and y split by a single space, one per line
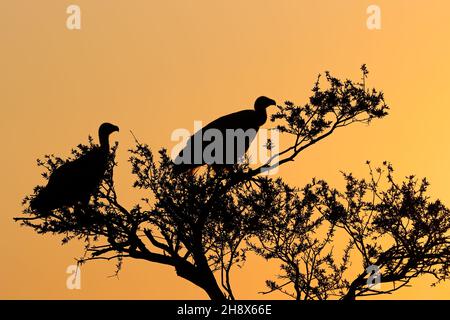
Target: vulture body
247 122
74 182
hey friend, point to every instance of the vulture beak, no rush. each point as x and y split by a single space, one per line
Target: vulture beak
116 128
273 103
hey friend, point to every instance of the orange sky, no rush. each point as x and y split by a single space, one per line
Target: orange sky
153 66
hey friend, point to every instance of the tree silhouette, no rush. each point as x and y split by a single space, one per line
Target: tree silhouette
204 225
396 228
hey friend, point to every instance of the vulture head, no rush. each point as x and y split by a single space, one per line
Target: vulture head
104 131
263 102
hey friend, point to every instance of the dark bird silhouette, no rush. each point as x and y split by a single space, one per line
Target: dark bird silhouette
74 182
249 121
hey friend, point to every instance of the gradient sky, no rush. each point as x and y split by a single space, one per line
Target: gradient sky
154 66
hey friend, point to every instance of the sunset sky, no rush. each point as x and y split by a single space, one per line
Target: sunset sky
155 66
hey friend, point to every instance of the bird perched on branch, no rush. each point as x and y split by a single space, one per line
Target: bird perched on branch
218 135
74 182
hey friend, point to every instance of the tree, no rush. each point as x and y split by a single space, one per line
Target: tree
204 225
396 228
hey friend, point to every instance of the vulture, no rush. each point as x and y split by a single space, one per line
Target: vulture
232 148
75 181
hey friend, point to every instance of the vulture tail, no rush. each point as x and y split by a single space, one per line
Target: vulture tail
184 168
41 204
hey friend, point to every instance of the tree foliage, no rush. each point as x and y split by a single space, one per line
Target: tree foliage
204 225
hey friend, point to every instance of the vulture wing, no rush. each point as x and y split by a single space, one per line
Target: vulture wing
244 120
73 182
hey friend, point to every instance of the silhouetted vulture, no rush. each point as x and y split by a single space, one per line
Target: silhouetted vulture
74 182
233 148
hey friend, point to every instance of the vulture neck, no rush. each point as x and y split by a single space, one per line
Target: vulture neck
104 142
261 115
